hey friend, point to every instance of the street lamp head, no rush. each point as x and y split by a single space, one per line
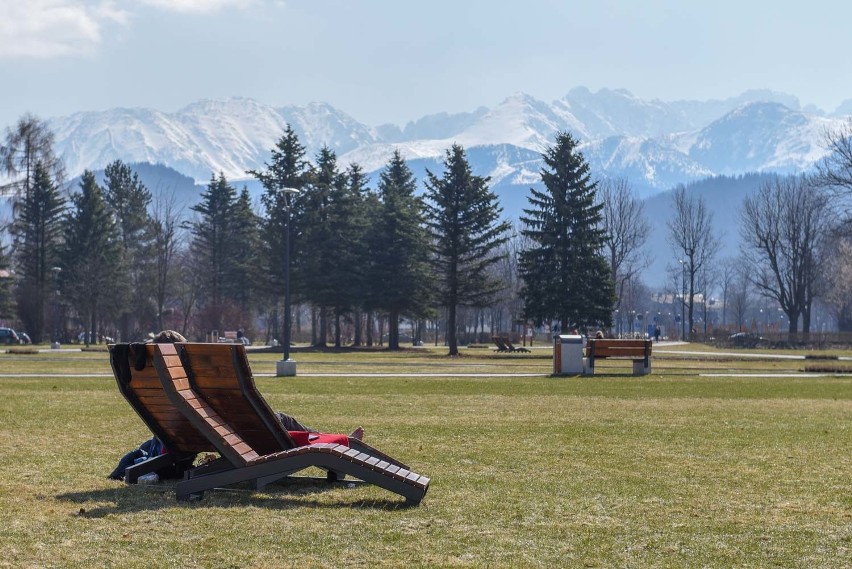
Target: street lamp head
291 192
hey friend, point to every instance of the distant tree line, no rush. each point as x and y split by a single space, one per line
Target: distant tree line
111 260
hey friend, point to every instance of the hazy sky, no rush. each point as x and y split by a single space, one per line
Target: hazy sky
395 61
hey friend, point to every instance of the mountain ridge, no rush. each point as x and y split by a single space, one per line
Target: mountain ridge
655 144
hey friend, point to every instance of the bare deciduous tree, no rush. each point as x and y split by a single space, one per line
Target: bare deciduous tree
784 228
838 272
727 274
626 229
836 169
740 293
29 143
165 227
691 236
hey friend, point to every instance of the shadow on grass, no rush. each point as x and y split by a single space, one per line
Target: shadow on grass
281 495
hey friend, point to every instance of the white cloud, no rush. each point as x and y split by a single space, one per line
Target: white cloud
43 29
196 6
51 28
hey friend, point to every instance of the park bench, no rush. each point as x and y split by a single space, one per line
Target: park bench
242 427
639 351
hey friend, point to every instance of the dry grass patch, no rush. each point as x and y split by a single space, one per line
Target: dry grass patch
667 470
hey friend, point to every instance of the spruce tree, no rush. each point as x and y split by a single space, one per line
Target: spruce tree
287 168
400 271
216 254
37 238
129 199
315 267
92 257
346 245
363 202
466 232
565 274
246 242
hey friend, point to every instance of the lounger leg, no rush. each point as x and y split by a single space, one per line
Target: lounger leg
132 474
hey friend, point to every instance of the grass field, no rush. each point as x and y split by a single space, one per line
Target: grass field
714 460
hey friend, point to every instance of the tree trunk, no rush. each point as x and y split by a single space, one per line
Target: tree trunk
369 325
322 340
357 319
452 339
393 330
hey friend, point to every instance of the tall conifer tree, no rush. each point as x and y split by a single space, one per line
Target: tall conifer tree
92 257
216 253
314 261
363 201
466 232
246 242
129 199
400 249
37 234
287 168
565 274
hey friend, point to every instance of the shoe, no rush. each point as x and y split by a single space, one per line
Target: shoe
150 478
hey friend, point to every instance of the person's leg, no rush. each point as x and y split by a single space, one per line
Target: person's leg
291 424
127 460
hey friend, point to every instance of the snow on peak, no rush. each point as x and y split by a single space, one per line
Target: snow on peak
657 143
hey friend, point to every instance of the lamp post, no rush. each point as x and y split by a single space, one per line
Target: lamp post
286 367
57 271
683 301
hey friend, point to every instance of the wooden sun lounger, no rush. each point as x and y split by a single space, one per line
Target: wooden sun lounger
235 441
220 373
144 392
500 343
512 348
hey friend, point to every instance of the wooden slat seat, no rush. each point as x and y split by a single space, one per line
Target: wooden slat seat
143 390
639 351
178 366
214 368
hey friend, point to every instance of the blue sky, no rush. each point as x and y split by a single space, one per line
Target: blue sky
395 61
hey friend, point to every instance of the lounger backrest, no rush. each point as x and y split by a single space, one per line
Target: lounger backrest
197 410
144 392
220 373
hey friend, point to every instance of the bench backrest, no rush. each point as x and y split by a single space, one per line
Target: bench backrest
615 348
220 373
144 392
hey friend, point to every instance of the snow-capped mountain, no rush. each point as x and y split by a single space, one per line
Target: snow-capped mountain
204 138
654 144
761 137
